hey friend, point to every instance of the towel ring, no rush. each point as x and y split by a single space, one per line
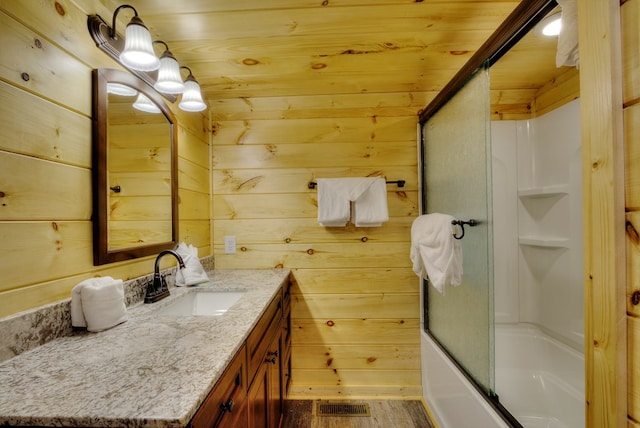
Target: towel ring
461 223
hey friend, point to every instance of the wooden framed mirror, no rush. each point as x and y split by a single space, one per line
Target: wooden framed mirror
134 161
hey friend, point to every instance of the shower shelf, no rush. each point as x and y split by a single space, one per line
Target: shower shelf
546 242
544 192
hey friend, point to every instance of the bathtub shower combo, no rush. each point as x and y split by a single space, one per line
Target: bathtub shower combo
505 348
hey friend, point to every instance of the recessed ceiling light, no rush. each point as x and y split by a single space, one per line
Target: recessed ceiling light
550 26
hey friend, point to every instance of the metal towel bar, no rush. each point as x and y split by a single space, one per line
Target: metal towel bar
400 183
461 223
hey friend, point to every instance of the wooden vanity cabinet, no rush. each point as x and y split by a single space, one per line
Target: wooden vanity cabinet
226 404
252 390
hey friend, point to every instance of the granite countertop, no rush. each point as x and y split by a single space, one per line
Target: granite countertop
151 371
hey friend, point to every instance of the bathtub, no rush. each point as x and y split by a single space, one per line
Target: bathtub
452 400
540 380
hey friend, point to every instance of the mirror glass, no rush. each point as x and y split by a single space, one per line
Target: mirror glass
134 169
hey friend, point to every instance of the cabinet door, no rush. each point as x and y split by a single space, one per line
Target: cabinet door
274 368
285 355
235 419
226 404
258 398
265 393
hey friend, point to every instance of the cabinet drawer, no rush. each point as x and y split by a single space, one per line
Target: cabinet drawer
260 338
226 405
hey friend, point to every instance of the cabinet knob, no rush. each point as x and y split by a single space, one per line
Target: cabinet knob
271 360
228 406
274 353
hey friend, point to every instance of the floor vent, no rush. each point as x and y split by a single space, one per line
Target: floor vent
328 408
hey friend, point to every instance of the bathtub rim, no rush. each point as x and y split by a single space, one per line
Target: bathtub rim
490 404
536 329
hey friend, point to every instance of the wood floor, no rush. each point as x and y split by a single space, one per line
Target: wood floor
384 414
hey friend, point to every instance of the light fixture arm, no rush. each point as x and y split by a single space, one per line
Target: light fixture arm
166 47
166 52
112 30
188 69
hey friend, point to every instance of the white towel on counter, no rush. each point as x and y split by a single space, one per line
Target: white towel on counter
98 304
435 253
335 195
193 272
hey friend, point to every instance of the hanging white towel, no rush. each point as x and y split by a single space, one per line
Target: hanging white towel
98 303
333 202
336 194
370 208
435 253
193 272
568 50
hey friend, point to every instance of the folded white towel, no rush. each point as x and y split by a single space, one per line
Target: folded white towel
435 252
336 194
103 305
193 272
370 208
77 315
98 304
333 202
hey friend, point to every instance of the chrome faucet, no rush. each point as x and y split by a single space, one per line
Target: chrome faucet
157 289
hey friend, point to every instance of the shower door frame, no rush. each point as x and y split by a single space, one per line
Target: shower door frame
524 17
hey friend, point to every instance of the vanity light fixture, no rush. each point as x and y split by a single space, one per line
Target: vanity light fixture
191 97
144 104
135 52
169 79
549 26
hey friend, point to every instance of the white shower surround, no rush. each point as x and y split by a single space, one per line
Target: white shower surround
538 281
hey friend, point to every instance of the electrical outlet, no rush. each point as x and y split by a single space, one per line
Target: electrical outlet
229 244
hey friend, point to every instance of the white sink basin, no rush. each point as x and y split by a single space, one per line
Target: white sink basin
201 302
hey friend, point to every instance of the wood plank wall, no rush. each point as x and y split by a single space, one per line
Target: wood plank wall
607 41
630 12
355 303
45 157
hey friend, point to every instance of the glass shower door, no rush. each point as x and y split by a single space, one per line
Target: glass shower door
457 181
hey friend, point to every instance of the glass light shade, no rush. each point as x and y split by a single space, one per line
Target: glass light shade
120 89
138 49
169 79
144 104
191 97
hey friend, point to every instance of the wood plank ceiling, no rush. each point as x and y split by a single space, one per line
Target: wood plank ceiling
276 48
